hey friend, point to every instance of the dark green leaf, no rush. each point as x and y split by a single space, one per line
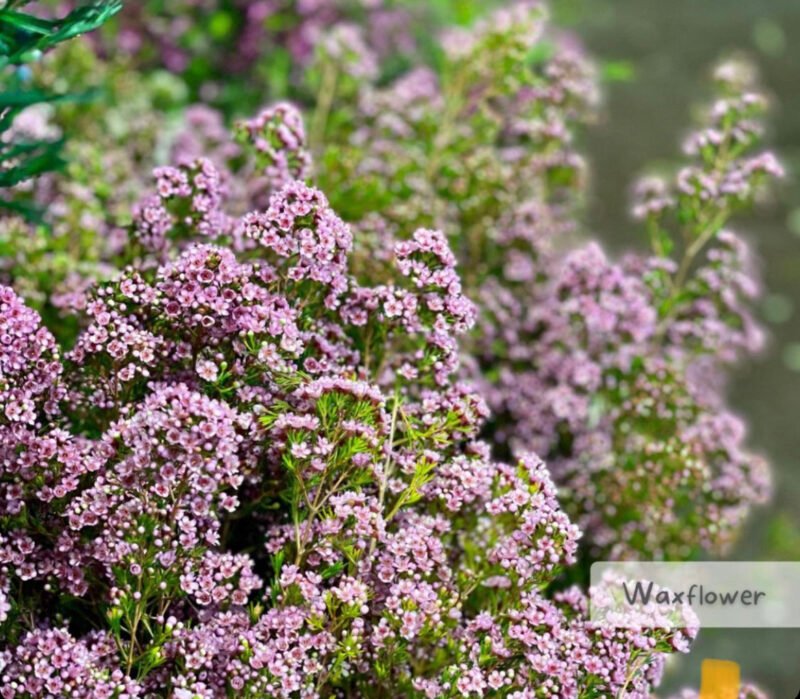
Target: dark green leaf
85 19
25 98
28 23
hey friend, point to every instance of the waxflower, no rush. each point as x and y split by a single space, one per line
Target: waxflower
30 367
285 487
289 447
187 197
277 136
611 368
42 465
51 662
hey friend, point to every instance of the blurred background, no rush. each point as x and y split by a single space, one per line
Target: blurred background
658 56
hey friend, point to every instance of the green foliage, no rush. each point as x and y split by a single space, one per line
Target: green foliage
24 38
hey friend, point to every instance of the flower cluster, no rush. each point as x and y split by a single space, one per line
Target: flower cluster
278 138
277 500
30 366
300 229
592 381
613 369
188 199
433 306
41 466
52 663
281 437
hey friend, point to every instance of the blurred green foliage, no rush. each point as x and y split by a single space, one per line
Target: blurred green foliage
24 38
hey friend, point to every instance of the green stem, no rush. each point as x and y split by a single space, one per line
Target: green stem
325 96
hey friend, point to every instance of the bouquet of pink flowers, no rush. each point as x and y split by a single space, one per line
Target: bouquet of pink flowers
269 419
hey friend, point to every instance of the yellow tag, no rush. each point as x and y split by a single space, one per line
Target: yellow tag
721 680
